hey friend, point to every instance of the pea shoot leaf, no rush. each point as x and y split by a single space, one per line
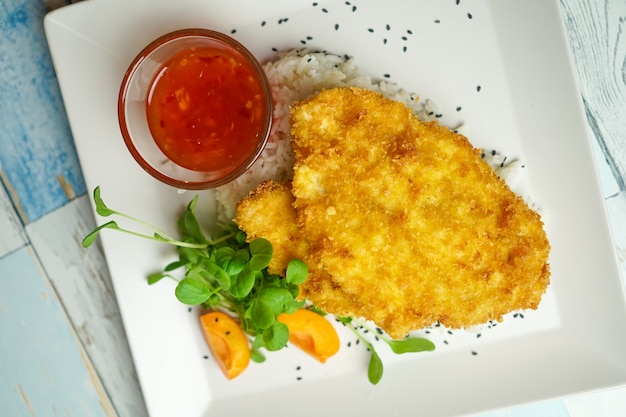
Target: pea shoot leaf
101 208
173 266
297 272
242 283
375 368
275 298
276 336
223 256
91 237
189 256
291 307
262 315
414 344
156 277
261 251
192 291
188 224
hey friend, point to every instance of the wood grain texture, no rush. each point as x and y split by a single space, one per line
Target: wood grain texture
616 208
597 36
44 370
59 376
81 280
37 152
12 234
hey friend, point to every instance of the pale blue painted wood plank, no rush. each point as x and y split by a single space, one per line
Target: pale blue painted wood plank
81 281
43 370
501 413
609 403
37 152
553 408
12 234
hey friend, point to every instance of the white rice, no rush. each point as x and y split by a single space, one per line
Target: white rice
295 75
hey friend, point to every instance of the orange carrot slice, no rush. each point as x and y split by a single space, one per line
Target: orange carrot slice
227 342
312 333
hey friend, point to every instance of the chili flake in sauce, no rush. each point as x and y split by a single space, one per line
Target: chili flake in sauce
206 109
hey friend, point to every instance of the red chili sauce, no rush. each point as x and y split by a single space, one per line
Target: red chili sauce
206 109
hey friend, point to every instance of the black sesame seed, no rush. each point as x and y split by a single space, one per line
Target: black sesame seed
315 4
493 153
325 10
437 21
349 344
458 108
217 319
275 49
469 16
206 357
233 31
353 9
357 341
370 30
439 115
445 342
385 41
298 368
386 75
379 330
263 23
404 38
478 88
347 3
449 331
299 378
457 2
309 38
409 31
190 309
337 26
474 353
388 27
478 335
303 42
227 332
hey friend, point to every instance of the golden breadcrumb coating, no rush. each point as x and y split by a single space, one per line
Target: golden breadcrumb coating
403 222
268 212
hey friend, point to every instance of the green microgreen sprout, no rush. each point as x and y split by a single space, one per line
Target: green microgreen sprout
407 345
228 273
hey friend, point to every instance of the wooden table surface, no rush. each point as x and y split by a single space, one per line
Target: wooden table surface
63 350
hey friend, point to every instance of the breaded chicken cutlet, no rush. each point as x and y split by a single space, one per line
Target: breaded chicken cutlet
401 222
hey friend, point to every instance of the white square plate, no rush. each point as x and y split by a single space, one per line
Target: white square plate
500 67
